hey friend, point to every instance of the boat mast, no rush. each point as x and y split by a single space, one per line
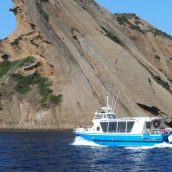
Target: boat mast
107 100
116 100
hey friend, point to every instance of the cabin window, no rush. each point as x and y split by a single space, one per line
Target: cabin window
99 116
112 127
111 116
121 127
148 125
105 116
104 126
129 126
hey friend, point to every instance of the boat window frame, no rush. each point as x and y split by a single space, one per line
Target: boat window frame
103 128
110 116
131 127
105 116
115 127
121 121
148 123
117 124
99 114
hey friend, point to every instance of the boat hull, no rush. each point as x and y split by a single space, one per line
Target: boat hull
118 140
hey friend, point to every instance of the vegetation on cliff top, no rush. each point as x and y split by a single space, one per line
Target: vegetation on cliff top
157 32
125 19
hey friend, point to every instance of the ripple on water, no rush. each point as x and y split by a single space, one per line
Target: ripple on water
53 151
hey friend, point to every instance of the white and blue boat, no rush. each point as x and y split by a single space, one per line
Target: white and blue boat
108 130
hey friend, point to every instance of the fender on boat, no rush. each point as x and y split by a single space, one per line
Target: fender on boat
170 138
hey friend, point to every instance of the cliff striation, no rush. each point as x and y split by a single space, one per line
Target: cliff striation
64 57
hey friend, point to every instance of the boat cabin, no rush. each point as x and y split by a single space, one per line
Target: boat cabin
108 123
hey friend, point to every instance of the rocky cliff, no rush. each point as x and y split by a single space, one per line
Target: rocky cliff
80 51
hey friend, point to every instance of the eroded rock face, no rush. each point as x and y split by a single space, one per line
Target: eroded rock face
85 51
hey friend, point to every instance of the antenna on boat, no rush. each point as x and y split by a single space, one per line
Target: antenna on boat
107 100
116 100
113 98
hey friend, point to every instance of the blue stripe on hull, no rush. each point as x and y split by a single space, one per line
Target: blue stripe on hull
116 140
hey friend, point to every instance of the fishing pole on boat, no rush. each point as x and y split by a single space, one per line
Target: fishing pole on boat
113 96
116 100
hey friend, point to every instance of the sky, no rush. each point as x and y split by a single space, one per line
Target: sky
156 12
7 18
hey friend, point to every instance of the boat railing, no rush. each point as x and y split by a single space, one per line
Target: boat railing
154 131
158 131
168 130
82 129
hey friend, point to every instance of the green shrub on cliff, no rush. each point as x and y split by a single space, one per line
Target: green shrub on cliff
55 99
1 108
162 82
124 19
41 10
24 84
5 66
157 57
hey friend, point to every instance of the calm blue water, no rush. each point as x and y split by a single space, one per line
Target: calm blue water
52 151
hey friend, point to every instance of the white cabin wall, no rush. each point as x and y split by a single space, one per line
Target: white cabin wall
138 126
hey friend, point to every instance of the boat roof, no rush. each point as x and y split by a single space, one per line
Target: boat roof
141 118
111 117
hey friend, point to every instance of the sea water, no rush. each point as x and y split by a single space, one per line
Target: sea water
62 152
